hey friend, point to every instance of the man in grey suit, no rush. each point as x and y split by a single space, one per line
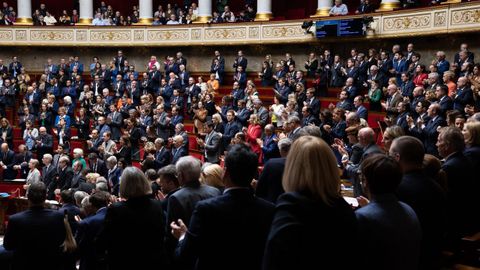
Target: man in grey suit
211 143
77 175
181 203
115 120
261 112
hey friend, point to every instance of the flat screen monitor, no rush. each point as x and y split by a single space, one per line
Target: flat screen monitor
340 28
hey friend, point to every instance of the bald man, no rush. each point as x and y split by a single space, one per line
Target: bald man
366 138
7 161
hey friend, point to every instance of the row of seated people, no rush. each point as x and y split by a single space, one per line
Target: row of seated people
411 207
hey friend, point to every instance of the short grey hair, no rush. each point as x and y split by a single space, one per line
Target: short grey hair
112 160
188 169
433 75
284 145
48 156
101 186
78 151
79 196
67 99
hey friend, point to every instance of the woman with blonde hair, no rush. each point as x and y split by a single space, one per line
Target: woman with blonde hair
390 134
212 176
312 222
471 135
134 215
252 133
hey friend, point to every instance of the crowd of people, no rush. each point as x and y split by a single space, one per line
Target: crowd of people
412 204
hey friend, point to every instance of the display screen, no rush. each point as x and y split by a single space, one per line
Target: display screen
340 28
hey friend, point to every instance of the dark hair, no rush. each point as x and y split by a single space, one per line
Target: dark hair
241 164
99 199
151 174
169 173
67 196
410 149
37 193
382 174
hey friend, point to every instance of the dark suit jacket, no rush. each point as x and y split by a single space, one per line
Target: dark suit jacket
238 211
390 232
269 185
461 196
49 175
35 236
139 216
446 104
64 179
8 160
428 200
473 154
464 96
177 154
299 239
362 112
162 158
100 167
86 236
429 134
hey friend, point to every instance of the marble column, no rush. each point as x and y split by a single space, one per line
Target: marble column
145 8
86 12
264 10
389 5
204 11
323 8
24 13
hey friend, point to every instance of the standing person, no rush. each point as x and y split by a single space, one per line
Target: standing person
298 238
133 215
389 230
36 235
234 220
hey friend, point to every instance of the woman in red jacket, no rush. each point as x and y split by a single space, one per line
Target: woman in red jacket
252 133
420 76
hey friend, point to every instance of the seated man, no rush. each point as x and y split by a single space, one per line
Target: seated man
338 9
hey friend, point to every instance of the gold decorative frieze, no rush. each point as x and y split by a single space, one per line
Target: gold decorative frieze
81 35
6 35
466 16
440 19
173 35
422 21
254 32
111 35
448 18
21 35
225 33
51 35
283 31
196 33
138 35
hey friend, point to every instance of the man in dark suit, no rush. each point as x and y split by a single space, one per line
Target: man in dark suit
366 139
312 102
242 114
462 186
35 236
428 132
424 195
178 150
7 161
361 111
406 85
240 61
97 165
463 95
182 202
162 155
64 178
77 178
231 128
21 161
44 142
211 144
120 61
115 121
49 172
269 185
343 101
245 221
350 88
88 230
445 102
113 175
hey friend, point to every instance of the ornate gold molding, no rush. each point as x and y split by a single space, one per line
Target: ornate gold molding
321 12
442 19
24 21
263 17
